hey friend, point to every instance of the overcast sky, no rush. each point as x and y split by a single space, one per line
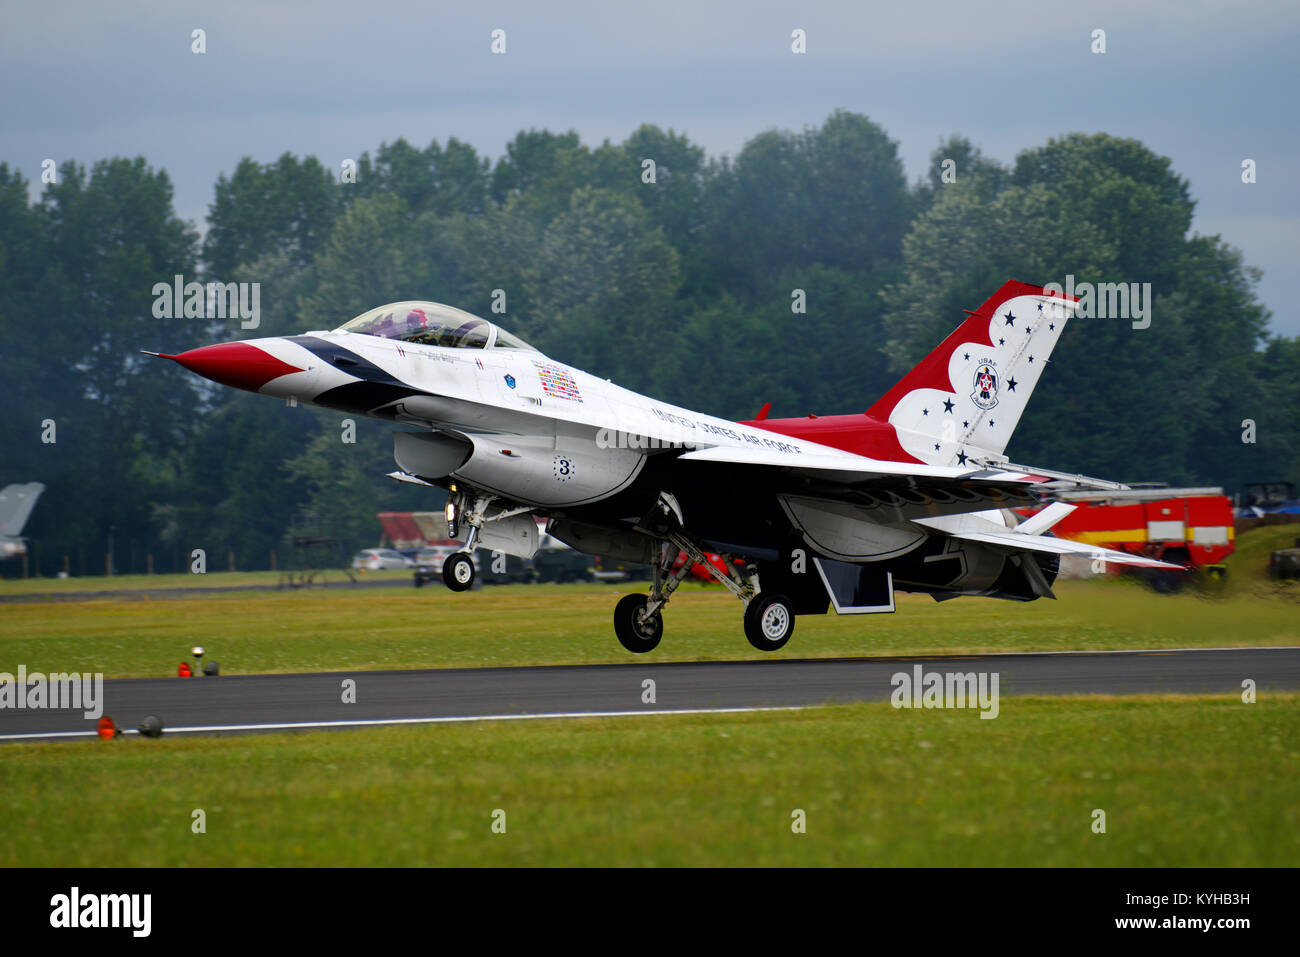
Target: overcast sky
1207 84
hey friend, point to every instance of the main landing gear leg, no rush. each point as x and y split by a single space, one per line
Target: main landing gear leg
769 616
637 621
458 571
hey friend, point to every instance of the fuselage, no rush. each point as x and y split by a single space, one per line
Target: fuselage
543 433
486 410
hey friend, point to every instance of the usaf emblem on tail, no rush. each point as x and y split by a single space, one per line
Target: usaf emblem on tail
985 395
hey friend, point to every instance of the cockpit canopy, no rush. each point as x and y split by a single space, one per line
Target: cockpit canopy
433 324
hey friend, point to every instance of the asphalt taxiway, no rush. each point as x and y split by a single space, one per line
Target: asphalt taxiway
246 703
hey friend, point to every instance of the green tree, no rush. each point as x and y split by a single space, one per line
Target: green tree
731 358
533 158
345 485
233 491
1131 194
958 160
834 195
437 179
1115 400
604 283
287 206
109 236
367 260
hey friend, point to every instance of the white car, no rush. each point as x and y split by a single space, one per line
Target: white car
380 559
430 559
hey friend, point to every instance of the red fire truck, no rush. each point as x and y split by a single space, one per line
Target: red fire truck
1192 527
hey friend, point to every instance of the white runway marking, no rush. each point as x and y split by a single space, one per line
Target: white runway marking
363 722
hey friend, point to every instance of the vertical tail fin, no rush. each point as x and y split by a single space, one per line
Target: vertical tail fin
965 398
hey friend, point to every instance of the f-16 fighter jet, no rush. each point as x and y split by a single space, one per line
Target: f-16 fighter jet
841 511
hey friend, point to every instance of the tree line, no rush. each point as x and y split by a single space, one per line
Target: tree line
804 271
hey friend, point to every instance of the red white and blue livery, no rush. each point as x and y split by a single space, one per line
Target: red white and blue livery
914 494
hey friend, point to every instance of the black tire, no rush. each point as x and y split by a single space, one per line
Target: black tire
769 621
458 572
636 633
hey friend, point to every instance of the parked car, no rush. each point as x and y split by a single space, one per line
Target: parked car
613 570
1285 562
503 569
380 559
429 561
557 562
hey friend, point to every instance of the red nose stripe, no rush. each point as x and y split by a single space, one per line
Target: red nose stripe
235 363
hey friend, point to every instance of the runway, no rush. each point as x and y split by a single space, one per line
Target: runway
235 703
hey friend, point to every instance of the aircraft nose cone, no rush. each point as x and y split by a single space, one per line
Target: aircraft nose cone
235 364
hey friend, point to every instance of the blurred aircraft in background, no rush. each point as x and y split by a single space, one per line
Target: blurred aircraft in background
16 504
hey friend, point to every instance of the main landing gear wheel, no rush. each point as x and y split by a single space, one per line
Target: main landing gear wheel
769 621
637 631
458 572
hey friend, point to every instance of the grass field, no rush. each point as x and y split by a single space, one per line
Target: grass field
1182 781
97 583
532 624
402 627
1248 564
1193 780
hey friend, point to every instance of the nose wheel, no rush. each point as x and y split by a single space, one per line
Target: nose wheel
458 572
469 508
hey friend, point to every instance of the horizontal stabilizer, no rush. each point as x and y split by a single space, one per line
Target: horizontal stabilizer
1044 520
1056 480
974 528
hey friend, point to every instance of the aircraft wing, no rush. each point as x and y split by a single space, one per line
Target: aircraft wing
1055 480
846 466
975 528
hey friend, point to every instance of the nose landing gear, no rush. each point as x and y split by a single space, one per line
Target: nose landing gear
458 571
